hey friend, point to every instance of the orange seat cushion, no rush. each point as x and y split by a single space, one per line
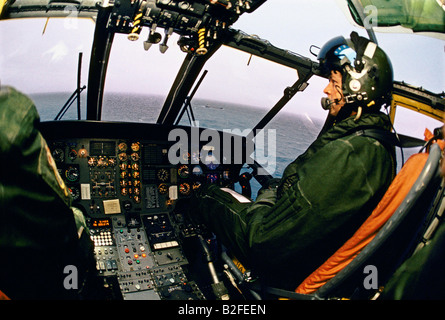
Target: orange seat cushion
392 199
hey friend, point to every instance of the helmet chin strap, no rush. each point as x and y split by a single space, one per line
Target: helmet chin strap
359 113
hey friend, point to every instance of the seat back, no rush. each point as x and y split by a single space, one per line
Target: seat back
386 238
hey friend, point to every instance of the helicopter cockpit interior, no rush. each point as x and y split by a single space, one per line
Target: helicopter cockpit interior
129 178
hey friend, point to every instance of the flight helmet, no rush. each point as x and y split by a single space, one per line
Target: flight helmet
366 70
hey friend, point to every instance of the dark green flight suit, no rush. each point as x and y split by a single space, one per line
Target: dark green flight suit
322 198
422 276
40 234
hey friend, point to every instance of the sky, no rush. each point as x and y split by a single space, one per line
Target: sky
294 25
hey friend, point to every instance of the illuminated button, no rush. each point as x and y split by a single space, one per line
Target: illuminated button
144 255
127 250
136 256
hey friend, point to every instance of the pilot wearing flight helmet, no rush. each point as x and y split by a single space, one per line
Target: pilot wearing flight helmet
326 193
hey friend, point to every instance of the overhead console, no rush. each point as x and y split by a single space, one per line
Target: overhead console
127 179
200 23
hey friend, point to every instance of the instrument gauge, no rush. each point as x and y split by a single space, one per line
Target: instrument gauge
197 170
197 185
184 5
102 162
209 159
184 189
92 161
184 171
163 174
135 156
163 188
72 154
75 193
212 177
72 174
123 166
122 147
111 162
58 155
135 146
123 156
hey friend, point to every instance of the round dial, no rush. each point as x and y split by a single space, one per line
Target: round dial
122 147
58 155
135 146
72 174
163 188
184 188
75 192
184 171
163 174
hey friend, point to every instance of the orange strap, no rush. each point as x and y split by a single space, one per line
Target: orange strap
393 197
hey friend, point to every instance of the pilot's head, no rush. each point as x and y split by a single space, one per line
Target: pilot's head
360 76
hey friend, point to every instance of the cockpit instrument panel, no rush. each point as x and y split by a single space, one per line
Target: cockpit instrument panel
127 186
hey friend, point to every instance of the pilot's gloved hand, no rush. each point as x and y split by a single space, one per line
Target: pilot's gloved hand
271 184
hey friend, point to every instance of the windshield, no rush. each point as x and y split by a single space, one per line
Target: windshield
42 57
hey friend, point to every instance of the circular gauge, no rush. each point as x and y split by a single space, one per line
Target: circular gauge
102 162
75 192
135 166
124 174
186 156
123 156
137 191
134 156
58 155
112 162
196 185
137 199
212 165
122 147
212 177
195 157
92 161
123 166
83 152
137 183
124 191
162 174
163 188
123 183
184 189
210 160
197 170
72 154
72 174
184 5
135 174
135 146
184 171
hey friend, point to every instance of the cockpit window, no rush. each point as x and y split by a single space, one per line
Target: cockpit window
42 59
239 84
